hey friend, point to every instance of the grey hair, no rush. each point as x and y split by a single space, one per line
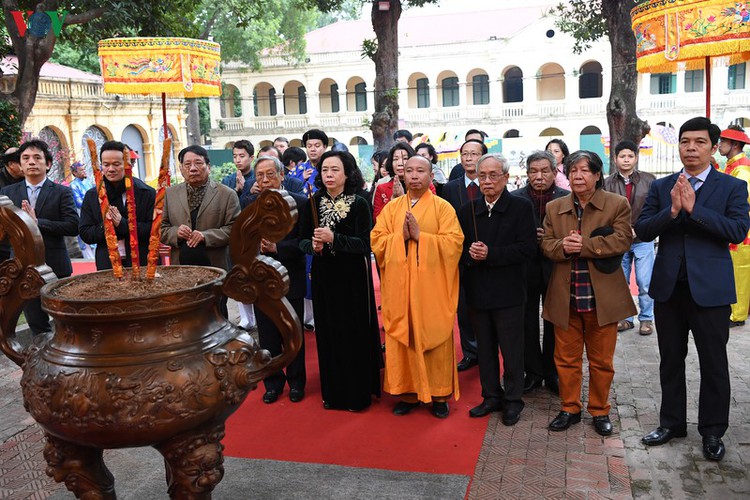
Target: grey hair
541 155
277 163
498 157
593 160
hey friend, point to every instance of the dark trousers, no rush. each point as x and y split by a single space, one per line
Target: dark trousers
710 327
37 319
539 361
270 339
465 328
504 328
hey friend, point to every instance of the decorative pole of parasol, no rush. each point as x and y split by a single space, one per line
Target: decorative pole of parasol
132 222
708 87
155 238
109 228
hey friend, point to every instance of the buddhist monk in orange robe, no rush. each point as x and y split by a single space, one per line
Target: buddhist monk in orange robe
417 242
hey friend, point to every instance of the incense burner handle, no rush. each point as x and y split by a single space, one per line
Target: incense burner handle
259 279
21 277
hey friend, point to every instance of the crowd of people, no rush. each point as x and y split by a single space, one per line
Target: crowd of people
463 248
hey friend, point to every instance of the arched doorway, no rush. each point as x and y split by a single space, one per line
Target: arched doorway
134 139
60 153
100 137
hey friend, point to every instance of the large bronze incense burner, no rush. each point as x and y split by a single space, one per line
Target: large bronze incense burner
161 369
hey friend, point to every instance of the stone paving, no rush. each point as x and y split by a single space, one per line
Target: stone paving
524 461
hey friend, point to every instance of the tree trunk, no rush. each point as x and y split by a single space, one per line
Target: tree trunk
621 112
193 123
385 118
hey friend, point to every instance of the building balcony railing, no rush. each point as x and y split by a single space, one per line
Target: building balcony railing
499 113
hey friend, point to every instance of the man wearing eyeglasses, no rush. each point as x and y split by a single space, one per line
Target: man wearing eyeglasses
459 192
500 239
269 174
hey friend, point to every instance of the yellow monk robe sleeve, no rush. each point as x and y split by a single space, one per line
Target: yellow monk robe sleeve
439 251
387 243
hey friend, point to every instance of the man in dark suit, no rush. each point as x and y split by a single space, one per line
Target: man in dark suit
695 213
494 279
52 208
91 225
269 174
458 192
539 361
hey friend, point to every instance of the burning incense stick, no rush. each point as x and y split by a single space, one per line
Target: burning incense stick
132 222
109 228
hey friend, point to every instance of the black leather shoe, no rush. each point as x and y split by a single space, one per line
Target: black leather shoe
563 420
734 324
296 395
402 408
270 397
662 435
713 448
552 385
531 383
484 409
602 425
440 409
466 363
511 416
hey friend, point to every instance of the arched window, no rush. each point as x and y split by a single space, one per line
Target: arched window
450 91
335 98
360 96
513 85
590 80
481 84
423 93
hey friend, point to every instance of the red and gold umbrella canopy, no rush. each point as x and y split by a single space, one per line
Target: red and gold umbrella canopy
674 35
174 66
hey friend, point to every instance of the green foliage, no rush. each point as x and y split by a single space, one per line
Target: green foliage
583 20
84 58
204 116
246 29
347 11
10 126
369 48
218 172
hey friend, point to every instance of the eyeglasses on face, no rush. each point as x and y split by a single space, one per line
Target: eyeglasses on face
493 176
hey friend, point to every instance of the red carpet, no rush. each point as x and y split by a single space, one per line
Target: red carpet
374 438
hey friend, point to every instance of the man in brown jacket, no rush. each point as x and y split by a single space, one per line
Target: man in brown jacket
633 184
585 235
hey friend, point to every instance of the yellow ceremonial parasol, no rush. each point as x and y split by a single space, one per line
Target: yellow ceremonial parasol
675 35
176 66
182 67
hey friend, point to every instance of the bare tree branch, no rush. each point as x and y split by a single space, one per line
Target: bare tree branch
85 17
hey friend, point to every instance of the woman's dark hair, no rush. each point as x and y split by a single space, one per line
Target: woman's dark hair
353 182
430 151
198 150
594 161
563 147
389 161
